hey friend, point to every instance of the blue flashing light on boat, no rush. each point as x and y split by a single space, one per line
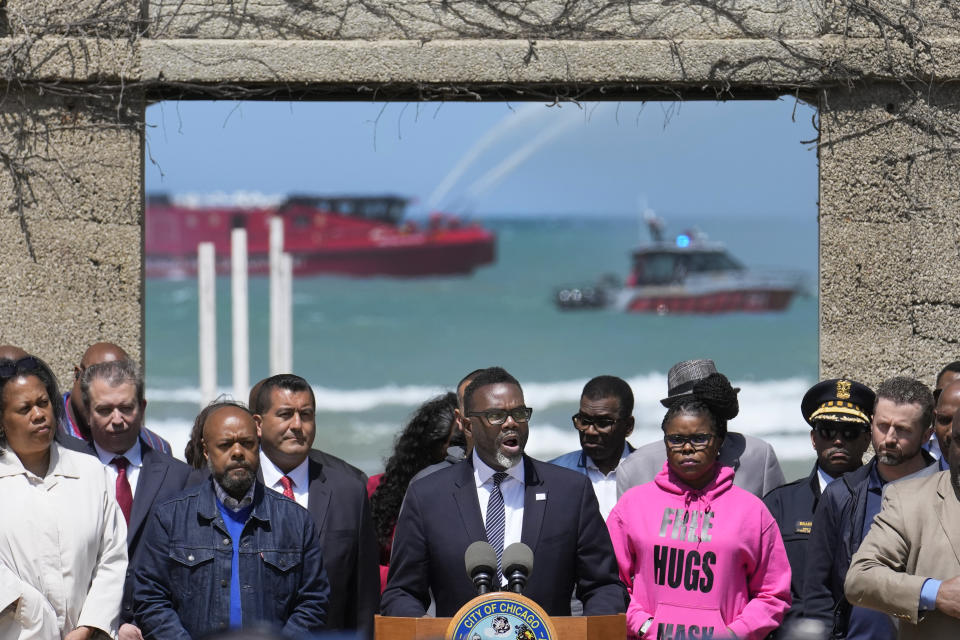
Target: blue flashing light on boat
683 241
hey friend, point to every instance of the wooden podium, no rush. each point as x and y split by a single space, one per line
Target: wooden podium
568 628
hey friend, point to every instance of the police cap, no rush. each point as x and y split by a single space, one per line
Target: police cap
838 400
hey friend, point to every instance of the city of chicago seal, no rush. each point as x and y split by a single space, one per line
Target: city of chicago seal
501 616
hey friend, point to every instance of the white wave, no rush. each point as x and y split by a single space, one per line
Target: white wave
374 441
764 406
768 409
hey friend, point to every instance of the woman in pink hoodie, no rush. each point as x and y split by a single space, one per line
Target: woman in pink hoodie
702 558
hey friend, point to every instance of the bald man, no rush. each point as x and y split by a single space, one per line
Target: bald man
74 421
227 552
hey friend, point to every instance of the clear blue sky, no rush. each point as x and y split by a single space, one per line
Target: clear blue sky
694 158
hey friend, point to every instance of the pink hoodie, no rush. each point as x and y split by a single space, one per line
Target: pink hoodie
703 564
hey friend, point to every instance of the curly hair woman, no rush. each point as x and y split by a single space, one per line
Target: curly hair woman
422 442
696 551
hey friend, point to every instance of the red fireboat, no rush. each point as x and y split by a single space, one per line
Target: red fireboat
347 235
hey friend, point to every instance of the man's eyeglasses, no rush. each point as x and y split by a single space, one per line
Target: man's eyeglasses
499 416
699 441
582 422
848 433
28 364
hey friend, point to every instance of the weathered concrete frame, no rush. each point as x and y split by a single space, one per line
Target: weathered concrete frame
883 74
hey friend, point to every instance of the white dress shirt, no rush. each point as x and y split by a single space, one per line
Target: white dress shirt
511 487
135 464
299 475
605 486
63 547
824 479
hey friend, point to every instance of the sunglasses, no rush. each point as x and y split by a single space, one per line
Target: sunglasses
582 422
497 417
11 368
848 433
699 441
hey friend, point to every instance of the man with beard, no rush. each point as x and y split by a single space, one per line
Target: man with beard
901 424
502 496
838 412
603 422
228 553
908 565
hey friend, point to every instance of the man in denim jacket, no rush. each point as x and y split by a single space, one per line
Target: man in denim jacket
228 553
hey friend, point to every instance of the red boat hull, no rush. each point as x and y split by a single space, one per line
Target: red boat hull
755 300
411 261
320 240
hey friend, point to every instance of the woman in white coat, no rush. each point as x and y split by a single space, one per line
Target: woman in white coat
63 550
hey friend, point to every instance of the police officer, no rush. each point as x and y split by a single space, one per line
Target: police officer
839 413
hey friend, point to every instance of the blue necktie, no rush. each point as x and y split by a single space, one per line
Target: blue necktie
496 520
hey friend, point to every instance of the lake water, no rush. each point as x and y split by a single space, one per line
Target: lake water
374 349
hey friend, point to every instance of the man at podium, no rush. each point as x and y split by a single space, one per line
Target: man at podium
502 496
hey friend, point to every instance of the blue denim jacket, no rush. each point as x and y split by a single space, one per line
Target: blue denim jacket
182 577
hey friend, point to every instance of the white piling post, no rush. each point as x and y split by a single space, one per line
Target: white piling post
276 296
286 324
240 315
207 299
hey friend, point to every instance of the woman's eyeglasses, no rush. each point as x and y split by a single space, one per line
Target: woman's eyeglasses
699 441
27 364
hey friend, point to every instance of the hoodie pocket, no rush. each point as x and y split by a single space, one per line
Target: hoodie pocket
672 621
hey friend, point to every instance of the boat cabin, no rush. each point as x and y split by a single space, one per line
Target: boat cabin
672 265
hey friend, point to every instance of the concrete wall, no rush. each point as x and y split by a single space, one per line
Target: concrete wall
77 75
889 232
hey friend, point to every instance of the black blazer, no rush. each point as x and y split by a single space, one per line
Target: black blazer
339 506
793 506
161 477
561 523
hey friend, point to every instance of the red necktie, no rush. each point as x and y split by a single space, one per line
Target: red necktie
287 487
124 494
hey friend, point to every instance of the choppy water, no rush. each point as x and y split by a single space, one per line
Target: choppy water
374 349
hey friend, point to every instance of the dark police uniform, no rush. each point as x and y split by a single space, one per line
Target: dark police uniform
793 504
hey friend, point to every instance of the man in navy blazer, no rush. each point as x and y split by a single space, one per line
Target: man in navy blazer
333 491
502 496
112 394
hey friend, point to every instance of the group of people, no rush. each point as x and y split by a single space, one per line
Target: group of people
694 537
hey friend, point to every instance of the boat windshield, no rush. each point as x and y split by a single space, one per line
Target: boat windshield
387 209
667 267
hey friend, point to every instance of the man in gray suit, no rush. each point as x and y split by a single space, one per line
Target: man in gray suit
754 461
907 566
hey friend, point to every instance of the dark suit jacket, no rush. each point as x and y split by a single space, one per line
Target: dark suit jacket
339 506
793 506
161 477
561 523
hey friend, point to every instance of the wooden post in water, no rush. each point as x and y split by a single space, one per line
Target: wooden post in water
207 305
276 295
240 313
286 313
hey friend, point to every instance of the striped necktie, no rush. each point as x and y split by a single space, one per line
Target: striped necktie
496 520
